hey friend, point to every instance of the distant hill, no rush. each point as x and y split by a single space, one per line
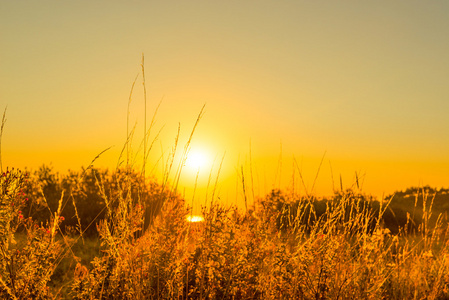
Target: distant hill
415 210
418 201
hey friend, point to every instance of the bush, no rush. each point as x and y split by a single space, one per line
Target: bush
26 266
84 196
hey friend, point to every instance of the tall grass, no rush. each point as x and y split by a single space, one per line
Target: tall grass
285 246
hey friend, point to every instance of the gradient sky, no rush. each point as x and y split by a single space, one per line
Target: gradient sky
363 83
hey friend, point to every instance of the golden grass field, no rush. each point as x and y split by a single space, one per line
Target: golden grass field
281 248
99 234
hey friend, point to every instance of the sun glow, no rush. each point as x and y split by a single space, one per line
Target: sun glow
195 219
198 160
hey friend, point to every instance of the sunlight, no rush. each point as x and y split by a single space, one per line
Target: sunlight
198 159
194 219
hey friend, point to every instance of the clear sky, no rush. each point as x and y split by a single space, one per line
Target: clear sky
364 83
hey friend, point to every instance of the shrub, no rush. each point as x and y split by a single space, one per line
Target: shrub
26 266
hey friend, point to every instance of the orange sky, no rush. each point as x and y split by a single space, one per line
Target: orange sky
364 84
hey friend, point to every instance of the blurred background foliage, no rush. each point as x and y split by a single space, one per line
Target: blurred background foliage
85 193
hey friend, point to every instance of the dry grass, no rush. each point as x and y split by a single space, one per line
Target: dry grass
282 248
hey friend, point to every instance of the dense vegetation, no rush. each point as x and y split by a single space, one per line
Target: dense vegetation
83 195
97 234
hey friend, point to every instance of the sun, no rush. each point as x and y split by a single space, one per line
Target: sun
195 219
197 160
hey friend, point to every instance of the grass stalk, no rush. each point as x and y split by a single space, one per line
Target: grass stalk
1 137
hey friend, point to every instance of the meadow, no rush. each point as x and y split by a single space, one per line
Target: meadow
120 234
113 235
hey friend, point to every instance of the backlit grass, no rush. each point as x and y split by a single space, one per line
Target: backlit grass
285 247
100 234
